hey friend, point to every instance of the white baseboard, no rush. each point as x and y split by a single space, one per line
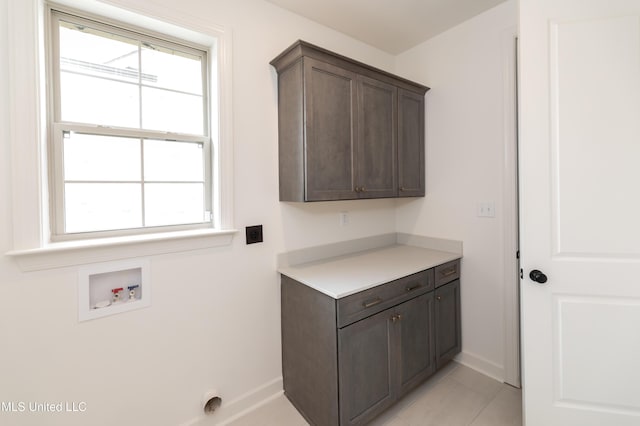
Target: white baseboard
481 364
233 410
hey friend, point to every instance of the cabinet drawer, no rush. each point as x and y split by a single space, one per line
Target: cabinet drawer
365 303
447 272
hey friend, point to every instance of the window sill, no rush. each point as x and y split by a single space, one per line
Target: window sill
72 253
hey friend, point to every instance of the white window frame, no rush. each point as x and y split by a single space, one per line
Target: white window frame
57 127
32 246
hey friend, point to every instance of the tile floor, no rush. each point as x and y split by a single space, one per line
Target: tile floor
454 396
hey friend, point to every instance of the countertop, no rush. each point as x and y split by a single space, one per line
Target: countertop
345 275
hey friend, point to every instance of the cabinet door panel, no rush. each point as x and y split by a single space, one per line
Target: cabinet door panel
411 162
377 146
448 332
365 362
417 342
330 96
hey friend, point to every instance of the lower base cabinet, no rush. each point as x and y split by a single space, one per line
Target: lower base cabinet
383 357
345 361
448 342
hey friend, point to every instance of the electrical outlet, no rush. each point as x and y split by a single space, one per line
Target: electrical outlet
254 234
344 218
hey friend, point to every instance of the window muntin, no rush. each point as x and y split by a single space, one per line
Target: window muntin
130 131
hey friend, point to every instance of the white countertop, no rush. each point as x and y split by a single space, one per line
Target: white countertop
345 275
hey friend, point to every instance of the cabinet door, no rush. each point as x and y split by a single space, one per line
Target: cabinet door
366 359
330 131
411 162
448 333
417 343
377 145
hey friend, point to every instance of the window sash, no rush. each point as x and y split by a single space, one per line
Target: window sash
58 127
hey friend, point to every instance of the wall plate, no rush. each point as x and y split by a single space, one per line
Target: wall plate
96 281
254 234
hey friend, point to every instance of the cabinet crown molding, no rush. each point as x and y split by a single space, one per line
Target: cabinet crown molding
302 48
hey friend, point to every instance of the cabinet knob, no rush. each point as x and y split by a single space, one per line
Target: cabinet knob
357 189
362 189
438 297
401 188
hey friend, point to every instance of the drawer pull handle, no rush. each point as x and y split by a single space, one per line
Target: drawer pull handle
413 287
447 272
371 303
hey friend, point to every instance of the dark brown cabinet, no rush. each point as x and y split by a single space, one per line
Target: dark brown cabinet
330 133
366 357
376 142
383 357
411 161
448 342
346 130
416 342
346 360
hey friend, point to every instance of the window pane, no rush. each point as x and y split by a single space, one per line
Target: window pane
172 112
99 101
173 161
172 69
93 52
102 206
112 76
173 203
93 157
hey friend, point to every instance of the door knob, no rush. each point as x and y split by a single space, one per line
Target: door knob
538 276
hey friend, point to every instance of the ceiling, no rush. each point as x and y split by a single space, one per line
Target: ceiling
390 25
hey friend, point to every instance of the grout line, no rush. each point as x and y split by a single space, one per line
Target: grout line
482 410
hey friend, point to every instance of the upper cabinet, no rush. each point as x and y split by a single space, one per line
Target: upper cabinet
346 130
411 161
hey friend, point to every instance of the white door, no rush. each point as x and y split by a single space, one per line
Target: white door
580 211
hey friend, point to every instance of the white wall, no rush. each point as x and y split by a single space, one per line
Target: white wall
215 315
465 164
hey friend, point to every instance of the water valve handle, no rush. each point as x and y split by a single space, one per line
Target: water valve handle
116 294
132 292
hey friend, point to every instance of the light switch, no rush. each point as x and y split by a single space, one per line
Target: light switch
486 209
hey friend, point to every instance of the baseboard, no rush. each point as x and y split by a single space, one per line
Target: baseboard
481 364
233 410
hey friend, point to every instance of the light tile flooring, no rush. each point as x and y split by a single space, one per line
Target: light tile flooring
454 396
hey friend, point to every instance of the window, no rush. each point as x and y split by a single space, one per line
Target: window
129 130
